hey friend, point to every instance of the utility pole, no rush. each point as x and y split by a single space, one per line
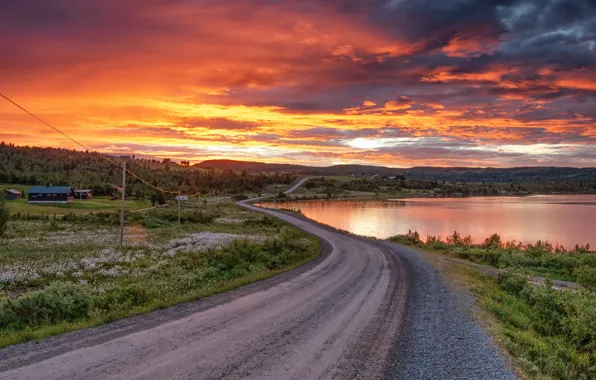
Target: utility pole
122 204
178 198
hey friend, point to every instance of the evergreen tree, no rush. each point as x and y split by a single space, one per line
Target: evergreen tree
161 198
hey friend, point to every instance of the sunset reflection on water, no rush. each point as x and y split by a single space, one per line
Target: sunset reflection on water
563 219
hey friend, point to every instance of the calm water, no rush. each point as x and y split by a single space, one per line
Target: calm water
563 219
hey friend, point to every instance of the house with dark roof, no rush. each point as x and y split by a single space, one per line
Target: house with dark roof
12 194
50 194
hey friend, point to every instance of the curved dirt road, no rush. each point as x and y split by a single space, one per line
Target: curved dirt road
364 310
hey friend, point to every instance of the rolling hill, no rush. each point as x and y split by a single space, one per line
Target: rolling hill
518 174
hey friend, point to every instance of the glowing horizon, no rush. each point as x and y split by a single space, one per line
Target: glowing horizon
312 82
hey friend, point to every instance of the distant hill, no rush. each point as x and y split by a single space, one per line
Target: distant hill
251 166
519 174
337 170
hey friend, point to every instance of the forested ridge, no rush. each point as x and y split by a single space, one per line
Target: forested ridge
454 174
91 170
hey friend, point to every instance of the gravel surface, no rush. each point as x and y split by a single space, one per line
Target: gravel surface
364 310
439 339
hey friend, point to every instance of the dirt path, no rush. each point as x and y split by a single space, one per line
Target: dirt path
364 310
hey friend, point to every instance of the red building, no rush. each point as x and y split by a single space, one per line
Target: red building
12 194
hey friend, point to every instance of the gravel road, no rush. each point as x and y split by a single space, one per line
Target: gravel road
363 310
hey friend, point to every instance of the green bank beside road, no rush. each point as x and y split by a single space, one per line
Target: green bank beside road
550 333
59 274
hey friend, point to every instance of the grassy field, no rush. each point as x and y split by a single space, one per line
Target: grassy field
76 207
60 274
21 188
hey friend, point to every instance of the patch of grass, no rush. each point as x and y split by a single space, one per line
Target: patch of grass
21 188
551 333
75 207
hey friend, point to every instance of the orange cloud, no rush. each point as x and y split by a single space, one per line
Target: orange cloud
275 81
578 79
462 45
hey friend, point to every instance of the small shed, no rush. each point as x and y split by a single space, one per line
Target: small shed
83 194
50 194
12 194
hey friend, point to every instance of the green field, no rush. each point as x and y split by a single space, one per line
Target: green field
66 273
76 207
20 188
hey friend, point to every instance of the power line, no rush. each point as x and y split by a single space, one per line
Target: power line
51 126
87 148
124 169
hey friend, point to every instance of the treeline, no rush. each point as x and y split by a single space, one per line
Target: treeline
455 174
90 170
396 185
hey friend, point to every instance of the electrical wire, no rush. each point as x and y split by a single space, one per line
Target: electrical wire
89 149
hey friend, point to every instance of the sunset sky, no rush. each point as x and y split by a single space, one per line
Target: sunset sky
388 82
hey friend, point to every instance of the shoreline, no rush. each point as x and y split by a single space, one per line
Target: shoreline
294 205
420 196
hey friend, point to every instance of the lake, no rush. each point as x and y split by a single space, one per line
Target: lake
563 219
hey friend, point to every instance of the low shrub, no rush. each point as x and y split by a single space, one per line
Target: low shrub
411 238
124 297
435 243
165 217
273 253
493 241
454 239
53 225
491 256
586 276
512 282
541 258
59 302
263 221
552 332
